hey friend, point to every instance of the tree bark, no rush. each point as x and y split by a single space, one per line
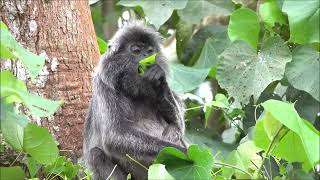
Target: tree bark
61 31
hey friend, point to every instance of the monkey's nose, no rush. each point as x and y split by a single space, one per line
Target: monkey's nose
145 55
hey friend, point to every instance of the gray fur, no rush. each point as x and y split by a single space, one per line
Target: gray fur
129 114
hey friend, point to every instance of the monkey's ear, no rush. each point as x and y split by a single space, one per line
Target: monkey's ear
112 48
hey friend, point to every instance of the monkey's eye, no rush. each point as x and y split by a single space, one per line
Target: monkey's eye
135 49
150 50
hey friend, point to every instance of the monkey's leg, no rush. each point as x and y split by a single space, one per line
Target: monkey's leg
102 166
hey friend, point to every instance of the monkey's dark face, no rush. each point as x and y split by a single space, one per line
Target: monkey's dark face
140 50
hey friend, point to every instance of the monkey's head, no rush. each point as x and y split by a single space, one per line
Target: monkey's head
135 42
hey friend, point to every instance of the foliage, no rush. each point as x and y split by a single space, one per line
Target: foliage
269 50
262 63
145 64
103 46
29 139
196 164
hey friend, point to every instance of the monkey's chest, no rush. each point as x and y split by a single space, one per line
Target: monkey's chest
149 121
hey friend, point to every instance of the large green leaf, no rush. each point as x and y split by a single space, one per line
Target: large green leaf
158 171
12 131
299 144
196 10
11 48
184 79
303 20
303 72
244 25
271 13
39 143
10 173
242 158
244 73
157 11
16 91
197 164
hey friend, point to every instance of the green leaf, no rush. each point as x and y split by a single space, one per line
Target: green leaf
221 101
33 167
197 164
299 144
184 79
158 171
146 63
242 158
204 139
12 131
244 73
196 10
183 33
8 112
10 173
212 48
244 25
16 91
303 20
103 46
271 13
39 143
157 11
9 83
10 47
303 71
63 167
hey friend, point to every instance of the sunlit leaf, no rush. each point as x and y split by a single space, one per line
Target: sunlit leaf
301 141
244 25
158 171
39 143
16 91
271 13
303 20
10 47
103 46
10 173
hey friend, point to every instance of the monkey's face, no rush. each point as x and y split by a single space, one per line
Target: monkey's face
139 50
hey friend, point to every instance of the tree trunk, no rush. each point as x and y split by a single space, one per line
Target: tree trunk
61 31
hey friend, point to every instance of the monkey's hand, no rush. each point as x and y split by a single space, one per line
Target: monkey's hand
155 75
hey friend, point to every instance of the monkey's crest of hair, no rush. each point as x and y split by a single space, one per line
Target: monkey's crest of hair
133 30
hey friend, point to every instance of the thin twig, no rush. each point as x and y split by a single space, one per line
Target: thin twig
269 148
136 162
16 158
255 112
197 107
114 168
234 167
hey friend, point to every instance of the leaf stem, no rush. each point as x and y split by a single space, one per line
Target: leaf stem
232 166
197 107
269 149
136 162
16 158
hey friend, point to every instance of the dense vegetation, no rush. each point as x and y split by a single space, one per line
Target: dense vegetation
263 72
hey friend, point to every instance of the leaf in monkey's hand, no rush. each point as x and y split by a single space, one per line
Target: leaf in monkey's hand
145 64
